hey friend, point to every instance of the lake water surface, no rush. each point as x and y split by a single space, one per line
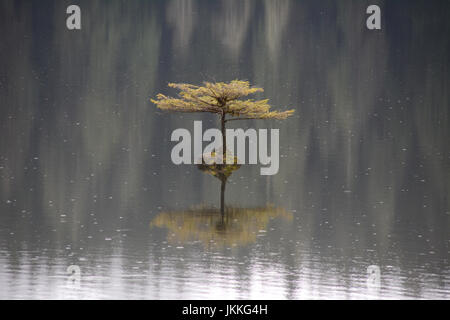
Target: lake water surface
359 209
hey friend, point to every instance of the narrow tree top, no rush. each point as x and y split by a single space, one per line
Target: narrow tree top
221 98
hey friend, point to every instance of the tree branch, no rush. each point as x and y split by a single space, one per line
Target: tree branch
234 119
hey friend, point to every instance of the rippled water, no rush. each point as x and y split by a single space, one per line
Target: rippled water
86 178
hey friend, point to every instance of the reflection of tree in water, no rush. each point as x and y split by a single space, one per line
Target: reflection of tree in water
235 227
229 226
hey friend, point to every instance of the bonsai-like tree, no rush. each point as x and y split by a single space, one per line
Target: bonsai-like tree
224 99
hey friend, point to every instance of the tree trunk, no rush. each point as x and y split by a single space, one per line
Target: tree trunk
222 197
224 139
224 157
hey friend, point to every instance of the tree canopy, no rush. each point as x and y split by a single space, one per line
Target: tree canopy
221 98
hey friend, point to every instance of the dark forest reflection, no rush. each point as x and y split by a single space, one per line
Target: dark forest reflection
85 162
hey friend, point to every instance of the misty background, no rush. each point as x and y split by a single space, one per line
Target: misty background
85 156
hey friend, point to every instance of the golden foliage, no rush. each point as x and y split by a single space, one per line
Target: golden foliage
221 98
239 226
